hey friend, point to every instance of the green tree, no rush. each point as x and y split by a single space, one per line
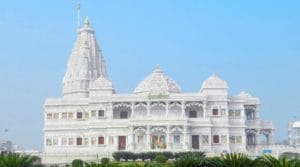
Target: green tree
270 161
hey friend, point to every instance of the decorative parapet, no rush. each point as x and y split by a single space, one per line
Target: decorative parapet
160 96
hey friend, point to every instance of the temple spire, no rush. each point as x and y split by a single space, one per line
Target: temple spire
85 65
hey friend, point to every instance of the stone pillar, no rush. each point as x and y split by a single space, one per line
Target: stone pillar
167 109
148 109
182 109
110 111
130 139
132 109
257 138
271 140
204 109
168 138
148 135
185 138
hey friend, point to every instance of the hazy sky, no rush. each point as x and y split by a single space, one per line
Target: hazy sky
253 45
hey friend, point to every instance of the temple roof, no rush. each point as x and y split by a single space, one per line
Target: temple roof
157 83
214 82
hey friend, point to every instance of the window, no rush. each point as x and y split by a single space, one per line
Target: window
239 139
78 141
193 114
215 112
223 111
232 139
235 139
56 116
86 114
234 113
140 139
93 113
123 115
48 142
231 113
64 115
55 142
224 139
63 141
79 115
176 139
93 140
71 141
86 141
216 139
70 115
49 115
101 113
237 113
100 140
204 139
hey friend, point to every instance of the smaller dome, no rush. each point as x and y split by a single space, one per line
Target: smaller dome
244 94
157 83
214 82
102 83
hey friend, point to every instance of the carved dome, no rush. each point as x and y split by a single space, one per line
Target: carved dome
157 83
214 82
102 83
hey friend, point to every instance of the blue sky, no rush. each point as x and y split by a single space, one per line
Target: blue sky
253 45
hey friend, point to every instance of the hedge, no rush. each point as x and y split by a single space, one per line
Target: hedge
125 155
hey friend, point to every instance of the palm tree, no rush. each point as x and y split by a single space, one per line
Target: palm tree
18 160
232 160
270 161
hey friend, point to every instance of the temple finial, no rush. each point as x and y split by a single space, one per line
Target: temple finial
87 21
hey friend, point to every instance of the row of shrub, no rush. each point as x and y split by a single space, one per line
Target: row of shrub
125 155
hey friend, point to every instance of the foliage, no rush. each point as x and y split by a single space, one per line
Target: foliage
160 158
105 161
124 155
233 160
18 160
189 160
77 163
270 161
290 155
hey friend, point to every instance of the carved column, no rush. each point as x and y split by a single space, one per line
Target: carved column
204 109
182 109
148 135
148 108
167 109
132 109
185 138
130 139
168 138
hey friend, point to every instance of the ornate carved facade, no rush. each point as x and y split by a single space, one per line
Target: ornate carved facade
91 120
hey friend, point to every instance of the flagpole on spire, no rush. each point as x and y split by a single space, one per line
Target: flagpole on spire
78 15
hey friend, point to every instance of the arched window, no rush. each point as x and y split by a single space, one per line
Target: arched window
192 114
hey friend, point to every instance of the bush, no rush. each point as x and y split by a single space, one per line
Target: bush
117 156
105 161
160 158
77 163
